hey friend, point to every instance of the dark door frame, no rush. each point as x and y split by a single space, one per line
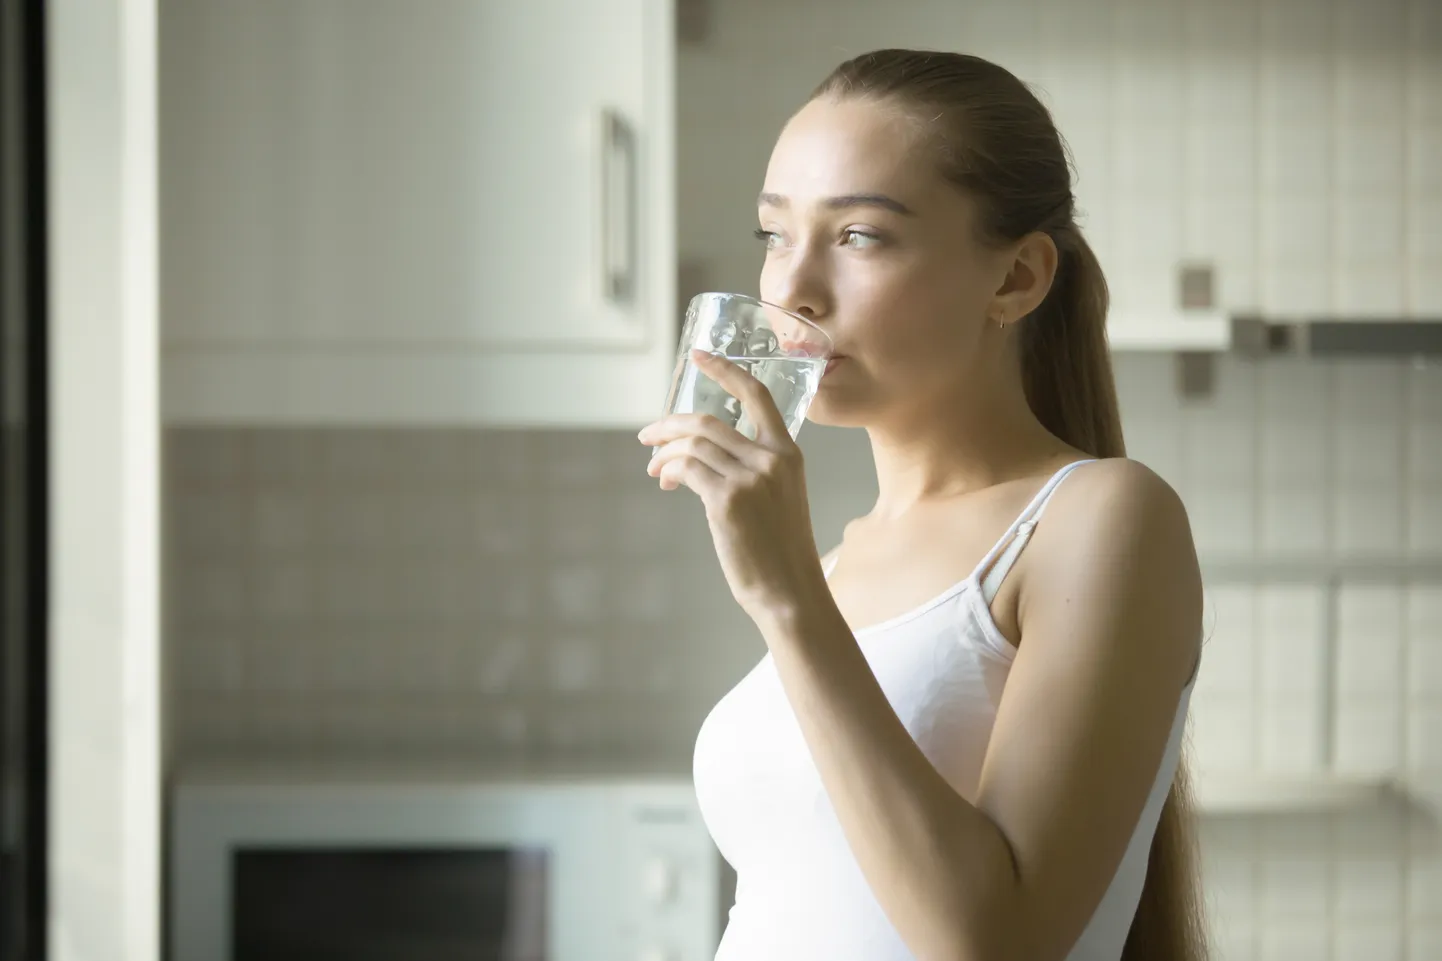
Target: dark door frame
23 266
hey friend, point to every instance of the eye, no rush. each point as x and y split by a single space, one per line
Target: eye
861 239
768 237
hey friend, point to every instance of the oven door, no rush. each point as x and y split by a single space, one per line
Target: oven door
392 902
572 873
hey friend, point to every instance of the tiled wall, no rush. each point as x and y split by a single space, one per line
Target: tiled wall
482 593
1306 134
1314 491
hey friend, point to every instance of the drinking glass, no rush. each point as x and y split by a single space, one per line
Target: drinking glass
785 351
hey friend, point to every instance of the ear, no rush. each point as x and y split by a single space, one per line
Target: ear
1033 268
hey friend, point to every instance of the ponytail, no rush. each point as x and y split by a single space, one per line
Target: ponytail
1066 366
1067 373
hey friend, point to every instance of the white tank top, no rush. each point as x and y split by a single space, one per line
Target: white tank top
800 895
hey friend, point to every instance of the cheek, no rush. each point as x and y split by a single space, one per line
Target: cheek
912 323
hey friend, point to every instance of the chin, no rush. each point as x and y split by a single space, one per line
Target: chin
830 411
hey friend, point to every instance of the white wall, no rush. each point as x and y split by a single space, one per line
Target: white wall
104 709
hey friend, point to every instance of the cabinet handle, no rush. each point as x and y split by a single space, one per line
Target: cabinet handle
618 208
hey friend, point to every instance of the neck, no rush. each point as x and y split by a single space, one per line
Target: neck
988 438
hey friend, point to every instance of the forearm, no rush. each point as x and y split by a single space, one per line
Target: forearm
938 866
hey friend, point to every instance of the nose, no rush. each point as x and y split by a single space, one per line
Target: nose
799 282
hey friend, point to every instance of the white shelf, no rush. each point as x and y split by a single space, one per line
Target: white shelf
1200 330
1276 794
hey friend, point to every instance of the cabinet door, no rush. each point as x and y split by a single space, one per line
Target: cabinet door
355 189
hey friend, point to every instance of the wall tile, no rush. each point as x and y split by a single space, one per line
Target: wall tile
1367 521
1369 738
1424 220
1296 227
1290 634
1286 289
1294 889
1424 941
1223 518
1292 520
1424 180
1424 612
1424 668
1297 392
1289 941
1368 942
1424 887
1234 942
1369 152
1372 890
1291 736
1371 89
1424 520
1222 148
1372 290
214 524
1370 642
1424 448
1294 452
1230 650
1424 400
1424 291
1423 743
1223 228
575 593
1228 740
576 524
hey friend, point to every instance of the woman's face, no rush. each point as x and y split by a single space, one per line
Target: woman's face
866 238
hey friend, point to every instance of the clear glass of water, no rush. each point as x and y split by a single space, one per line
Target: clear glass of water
785 351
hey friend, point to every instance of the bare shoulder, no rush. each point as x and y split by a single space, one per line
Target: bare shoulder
1116 502
1116 563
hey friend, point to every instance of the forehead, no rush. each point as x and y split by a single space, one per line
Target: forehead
833 147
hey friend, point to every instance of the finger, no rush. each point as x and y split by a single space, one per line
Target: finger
755 399
693 473
741 449
675 426
700 448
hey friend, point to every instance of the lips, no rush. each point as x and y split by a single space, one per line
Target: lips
830 364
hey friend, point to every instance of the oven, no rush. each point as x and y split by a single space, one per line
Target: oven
326 869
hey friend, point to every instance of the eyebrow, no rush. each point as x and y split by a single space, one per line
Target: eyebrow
844 201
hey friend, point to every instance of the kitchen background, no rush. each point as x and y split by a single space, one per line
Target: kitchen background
464 585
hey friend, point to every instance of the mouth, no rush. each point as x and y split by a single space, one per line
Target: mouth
831 364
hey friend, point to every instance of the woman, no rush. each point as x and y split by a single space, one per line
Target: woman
963 744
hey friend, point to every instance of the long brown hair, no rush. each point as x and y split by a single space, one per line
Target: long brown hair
996 141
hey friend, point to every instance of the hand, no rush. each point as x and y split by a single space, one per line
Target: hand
754 493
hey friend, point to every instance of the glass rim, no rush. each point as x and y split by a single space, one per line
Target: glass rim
766 303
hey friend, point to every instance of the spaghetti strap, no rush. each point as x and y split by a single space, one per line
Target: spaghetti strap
999 560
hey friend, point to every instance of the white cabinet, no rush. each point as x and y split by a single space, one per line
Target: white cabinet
444 211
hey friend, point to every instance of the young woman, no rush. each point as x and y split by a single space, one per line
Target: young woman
964 743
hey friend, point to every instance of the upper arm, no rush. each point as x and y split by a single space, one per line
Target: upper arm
1110 614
